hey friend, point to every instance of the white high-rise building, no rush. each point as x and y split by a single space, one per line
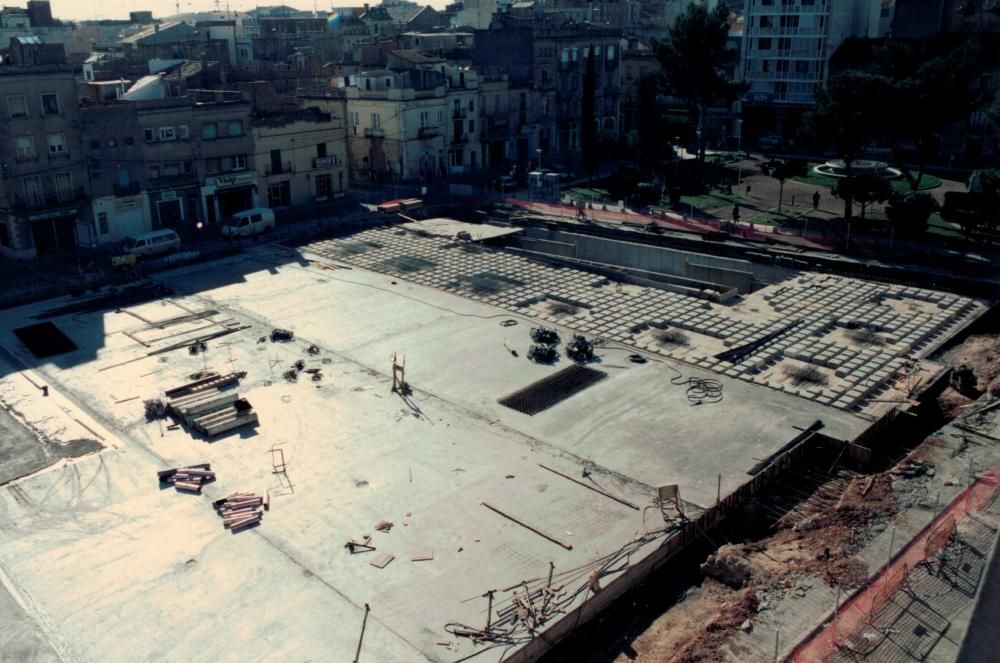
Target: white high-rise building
787 44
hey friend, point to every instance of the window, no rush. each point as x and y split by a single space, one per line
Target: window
171 169
183 133
149 135
213 165
376 121
321 147
766 22
102 223
209 131
764 44
765 66
167 134
154 172
17 106
457 158
352 118
32 190
25 147
279 194
611 53
276 161
324 185
239 162
472 105
234 128
802 66
789 21
4 235
472 126
50 103
782 66
63 183
57 144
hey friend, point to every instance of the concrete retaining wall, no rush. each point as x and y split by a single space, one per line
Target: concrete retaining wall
743 275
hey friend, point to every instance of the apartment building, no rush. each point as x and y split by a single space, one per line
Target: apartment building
43 170
787 45
119 203
396 126
300 157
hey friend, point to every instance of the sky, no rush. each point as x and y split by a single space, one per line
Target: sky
118 9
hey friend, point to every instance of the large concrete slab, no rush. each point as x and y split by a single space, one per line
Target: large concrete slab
116 568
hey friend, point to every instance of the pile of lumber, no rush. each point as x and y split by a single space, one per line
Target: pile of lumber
190 478
208 406
241 510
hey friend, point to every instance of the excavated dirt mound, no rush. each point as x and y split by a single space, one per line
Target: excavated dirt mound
982 355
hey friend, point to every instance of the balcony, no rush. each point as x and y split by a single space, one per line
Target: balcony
777 31
372 132
324 163
428 132
277 169
49 201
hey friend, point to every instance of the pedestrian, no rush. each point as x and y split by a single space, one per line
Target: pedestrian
736 213
815 200
748 190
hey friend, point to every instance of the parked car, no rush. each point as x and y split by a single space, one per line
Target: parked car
250 222
152 243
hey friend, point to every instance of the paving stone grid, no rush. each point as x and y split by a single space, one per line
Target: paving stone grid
903 324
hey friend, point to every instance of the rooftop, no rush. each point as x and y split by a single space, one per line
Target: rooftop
480 495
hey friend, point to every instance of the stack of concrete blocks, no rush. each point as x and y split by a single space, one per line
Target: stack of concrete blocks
823 301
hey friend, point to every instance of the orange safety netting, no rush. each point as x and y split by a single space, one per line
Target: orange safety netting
857 611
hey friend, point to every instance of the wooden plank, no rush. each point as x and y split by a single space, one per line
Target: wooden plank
590 487
382 560
525 525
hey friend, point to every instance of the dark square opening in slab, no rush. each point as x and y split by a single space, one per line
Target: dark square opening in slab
45 340
545 393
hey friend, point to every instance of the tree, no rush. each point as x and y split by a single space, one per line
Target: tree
588 123
979 207
781 170
847 117
908 213
864 190
693 60
930 92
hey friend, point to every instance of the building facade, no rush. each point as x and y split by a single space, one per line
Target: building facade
300 157
43 170
786 49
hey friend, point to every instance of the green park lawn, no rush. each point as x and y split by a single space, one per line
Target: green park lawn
899 184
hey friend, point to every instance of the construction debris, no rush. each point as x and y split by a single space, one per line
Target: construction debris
580 349
281 335
544 335
190 478
383 525
542 354
360 546
155 409
239 510
912 468
210 409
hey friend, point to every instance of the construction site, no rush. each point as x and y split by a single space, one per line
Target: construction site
438 440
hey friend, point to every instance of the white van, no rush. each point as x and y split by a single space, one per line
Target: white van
152 243
251 222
